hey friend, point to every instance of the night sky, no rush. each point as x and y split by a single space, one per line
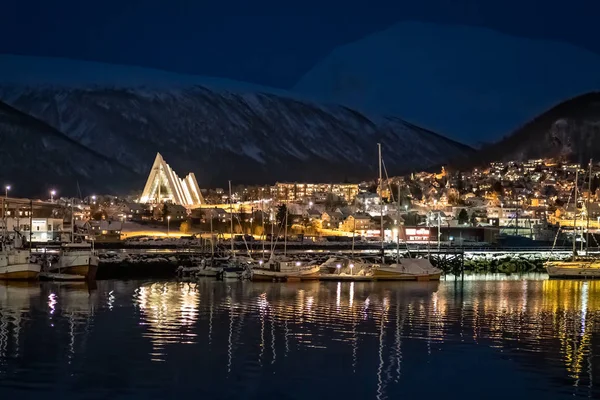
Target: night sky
267 42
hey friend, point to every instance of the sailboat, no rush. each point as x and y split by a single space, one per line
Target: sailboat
410 269
284 268
234 267
346 269
577 267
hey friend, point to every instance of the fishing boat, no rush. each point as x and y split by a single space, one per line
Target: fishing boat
15 262
78 259
577 266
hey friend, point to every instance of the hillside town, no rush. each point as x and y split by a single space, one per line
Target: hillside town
512 201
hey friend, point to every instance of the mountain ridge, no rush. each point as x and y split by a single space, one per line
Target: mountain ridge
249 137
569 130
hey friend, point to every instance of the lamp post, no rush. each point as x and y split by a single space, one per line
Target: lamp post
52 193
168 225
6 189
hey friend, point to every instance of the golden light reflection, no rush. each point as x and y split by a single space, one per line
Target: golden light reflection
170 310
534 316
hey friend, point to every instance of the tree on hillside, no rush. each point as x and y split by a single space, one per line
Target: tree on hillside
281 215
463 217
474 221
595 183
497 186
185 227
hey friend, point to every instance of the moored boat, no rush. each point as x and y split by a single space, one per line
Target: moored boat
407 269
79 259
287 270
15 263
576 268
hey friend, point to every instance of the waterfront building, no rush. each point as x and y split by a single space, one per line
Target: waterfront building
43 229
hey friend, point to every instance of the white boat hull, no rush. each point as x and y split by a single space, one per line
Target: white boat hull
209 271
409 269
574 269
26 271
302 274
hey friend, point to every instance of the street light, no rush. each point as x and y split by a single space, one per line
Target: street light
168 225
52 193
6 189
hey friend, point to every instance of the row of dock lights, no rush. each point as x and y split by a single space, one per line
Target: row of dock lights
340 266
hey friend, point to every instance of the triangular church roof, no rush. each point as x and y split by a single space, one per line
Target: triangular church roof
164 184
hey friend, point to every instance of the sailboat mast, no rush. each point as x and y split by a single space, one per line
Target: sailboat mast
262 221
587 214
353 234
72 224
575 214
398 227
285 232
212 237
231 218
381 201
272 218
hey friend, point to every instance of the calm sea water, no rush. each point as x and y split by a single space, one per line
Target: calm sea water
492 338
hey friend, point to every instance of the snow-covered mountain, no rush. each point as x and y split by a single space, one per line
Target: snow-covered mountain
221 134
36 157
464 82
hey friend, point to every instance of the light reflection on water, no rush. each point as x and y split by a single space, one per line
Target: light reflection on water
518 337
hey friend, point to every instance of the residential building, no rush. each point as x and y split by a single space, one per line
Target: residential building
106 231
357 222
297 191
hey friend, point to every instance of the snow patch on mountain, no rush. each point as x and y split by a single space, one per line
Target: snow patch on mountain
250 137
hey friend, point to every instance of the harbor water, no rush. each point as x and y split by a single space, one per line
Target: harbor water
492 337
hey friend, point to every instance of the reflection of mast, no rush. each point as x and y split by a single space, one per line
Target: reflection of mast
229 338
273 338
380 383
262 304
354 336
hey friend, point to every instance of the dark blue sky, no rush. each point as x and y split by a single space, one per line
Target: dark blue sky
267 42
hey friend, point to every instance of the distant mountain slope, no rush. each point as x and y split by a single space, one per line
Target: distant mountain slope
36 157
63 72
571 129
220 135
466 82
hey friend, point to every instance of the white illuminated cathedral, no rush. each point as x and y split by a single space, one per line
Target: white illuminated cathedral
164 185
